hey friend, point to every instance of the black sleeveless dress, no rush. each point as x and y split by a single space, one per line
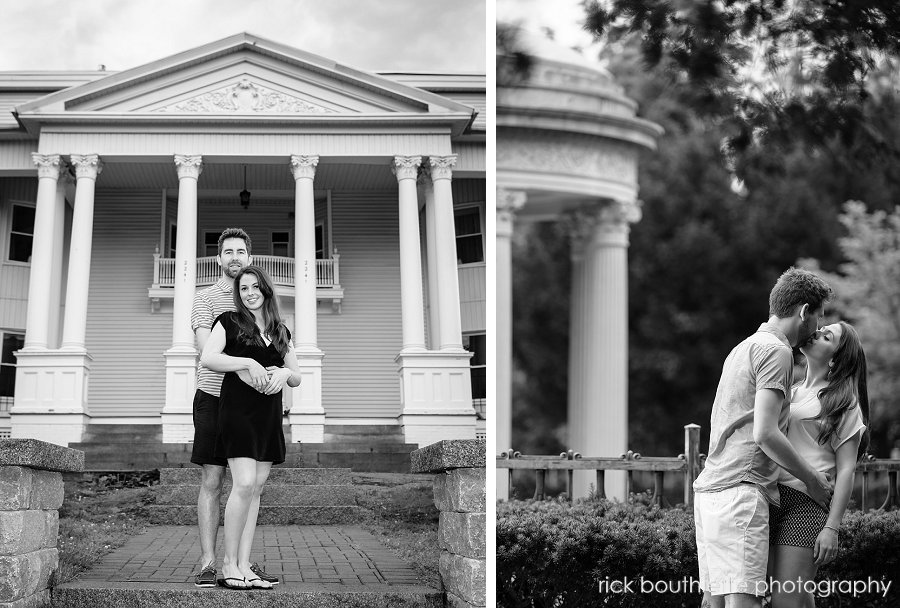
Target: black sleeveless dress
249 421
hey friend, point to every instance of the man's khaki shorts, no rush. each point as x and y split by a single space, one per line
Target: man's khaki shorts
732 540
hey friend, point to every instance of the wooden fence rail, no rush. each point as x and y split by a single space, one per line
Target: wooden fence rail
688 465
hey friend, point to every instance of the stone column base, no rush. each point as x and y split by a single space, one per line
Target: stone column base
307 415
425 429
177 415
51 395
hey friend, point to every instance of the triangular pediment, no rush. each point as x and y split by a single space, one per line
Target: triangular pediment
244 75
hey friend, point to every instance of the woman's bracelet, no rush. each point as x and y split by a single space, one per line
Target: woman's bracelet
836 531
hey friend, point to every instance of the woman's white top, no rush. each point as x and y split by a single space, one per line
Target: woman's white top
803 432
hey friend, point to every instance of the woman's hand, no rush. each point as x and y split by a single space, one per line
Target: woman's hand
277 379
825 548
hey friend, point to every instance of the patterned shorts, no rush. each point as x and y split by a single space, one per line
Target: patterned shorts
798 521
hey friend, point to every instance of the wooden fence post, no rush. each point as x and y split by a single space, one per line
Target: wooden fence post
692 459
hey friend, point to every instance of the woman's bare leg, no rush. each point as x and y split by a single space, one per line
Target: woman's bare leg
243 477
246 543
792 564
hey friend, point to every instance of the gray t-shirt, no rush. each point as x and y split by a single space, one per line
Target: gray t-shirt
764 360
208 304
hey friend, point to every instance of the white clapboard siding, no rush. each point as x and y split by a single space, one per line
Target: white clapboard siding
258 220
359 375
472 302
15 155
125 340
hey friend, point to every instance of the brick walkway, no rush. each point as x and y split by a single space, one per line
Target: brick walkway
330 556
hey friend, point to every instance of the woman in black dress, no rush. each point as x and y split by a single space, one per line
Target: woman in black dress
253 347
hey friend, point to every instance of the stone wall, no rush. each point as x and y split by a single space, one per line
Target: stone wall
31 493
459 493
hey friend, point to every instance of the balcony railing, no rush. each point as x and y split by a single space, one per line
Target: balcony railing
280 269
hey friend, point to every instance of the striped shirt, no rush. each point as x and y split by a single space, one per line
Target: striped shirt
209 303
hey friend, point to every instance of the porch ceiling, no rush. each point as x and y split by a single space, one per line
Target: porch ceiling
230 176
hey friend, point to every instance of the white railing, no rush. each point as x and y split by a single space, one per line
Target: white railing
281 269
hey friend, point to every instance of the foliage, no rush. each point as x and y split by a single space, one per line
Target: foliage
867 288
777 70
554 554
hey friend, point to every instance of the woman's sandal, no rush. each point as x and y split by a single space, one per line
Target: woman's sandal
224 583
252 586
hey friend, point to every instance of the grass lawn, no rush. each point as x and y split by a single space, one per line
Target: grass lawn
100 514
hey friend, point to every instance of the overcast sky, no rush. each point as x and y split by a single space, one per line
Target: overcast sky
375 35
564 17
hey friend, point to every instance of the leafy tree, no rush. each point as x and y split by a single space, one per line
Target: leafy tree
775 69
867 288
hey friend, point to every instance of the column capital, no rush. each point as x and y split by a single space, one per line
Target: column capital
189 165
441 167
86 165
304 166
406 167
48 165
606 224
508 202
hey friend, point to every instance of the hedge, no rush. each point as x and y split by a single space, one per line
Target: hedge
604 553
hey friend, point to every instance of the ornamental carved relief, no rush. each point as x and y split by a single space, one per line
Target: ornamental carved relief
441 167
508 203
86 165
605 223
304 166
188 165
246 97
580 156
406 167
48 165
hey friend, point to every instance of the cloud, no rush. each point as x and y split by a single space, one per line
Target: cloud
415 35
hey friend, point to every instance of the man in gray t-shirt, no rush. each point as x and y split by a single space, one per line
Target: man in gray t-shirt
747 444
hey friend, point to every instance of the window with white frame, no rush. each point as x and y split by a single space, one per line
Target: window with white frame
21 233
469 237
11 343
320 241
477 345
281 243
173 237
211 243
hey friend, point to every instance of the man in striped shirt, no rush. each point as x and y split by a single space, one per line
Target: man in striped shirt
209 303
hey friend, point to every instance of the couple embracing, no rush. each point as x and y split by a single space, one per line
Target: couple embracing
782 454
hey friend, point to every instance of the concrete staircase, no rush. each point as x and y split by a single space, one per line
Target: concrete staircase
362 448
310 496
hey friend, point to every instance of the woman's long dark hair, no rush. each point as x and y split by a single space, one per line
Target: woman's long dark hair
846 386
247 331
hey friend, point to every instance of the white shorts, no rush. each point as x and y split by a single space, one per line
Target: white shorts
732 540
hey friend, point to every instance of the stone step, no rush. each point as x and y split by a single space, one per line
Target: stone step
365 429
278 475
361 462
353 447
100 594
274 494
122 432
280 515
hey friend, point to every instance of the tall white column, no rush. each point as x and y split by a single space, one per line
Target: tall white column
599 400
37 324
406 169
56 271
304 170
435 386
449 323
181 358
307 415
431 270
507 204
189 169
87 167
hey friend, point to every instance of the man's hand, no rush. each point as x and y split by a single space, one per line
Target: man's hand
820 489
826 547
